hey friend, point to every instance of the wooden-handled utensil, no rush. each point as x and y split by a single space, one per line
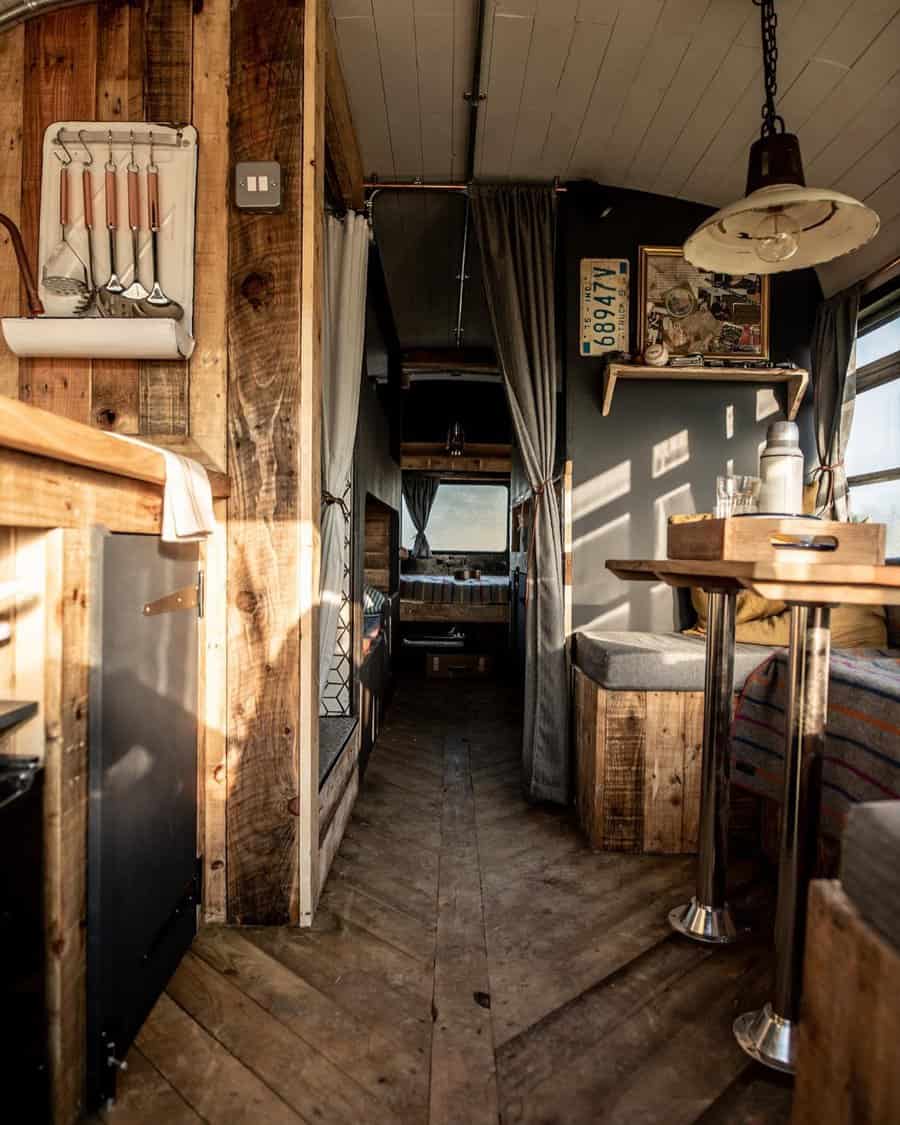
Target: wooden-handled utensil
135 291
157 303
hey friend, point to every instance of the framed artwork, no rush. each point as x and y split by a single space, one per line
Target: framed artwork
719 315
604 305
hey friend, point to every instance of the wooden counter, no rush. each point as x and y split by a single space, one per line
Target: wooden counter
59 473
58 480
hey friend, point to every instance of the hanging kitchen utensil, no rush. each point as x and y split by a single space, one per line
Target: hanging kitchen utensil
135 291
87 190
109 296
64 273
157 303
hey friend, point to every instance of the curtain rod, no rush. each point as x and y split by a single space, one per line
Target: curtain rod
379 185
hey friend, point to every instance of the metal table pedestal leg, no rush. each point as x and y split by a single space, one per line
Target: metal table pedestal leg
770 1035
707 917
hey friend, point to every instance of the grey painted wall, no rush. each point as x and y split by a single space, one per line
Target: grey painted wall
661 448
376 471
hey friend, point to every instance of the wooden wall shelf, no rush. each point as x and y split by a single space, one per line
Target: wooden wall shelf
796 378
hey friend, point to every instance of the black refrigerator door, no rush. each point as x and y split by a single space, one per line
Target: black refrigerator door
143 870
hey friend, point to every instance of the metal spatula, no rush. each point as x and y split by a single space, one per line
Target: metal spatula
64 273
109 296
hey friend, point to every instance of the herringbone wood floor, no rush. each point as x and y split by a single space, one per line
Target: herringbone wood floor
472 960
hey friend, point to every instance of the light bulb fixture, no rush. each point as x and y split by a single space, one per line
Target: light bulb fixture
456 440
780 224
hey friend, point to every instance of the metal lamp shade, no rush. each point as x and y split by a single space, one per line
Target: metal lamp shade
808 225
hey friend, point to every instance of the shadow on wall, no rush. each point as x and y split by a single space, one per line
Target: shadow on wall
663 444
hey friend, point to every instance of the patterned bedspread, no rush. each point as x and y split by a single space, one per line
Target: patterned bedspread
487 590
862 747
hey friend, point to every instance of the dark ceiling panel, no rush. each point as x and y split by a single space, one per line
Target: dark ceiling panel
419 236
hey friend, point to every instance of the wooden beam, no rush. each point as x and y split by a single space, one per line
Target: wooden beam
446 464
341 144
474 613
209 363
309 444
264 463
475 360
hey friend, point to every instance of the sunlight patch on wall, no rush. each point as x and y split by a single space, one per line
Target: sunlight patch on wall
670 453
680 501
662 614
603 489
767 403
616 619
595 584
729 421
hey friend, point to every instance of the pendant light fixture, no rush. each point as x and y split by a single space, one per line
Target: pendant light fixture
456 440
780 224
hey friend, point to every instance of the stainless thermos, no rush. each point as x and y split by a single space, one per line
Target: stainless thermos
781 471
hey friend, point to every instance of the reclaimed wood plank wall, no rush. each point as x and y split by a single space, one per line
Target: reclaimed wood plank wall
121 60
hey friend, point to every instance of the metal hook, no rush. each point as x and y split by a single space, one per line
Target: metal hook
110 164
88 153
62 144
132 165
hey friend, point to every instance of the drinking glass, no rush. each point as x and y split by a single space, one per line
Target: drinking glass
736 495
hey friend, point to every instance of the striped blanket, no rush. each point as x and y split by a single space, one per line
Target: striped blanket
862 745
487 590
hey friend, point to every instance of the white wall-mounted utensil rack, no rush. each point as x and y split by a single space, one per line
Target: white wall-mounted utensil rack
174 151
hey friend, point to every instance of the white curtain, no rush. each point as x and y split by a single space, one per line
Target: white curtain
343 330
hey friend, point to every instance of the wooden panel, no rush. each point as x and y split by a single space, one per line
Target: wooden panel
449 611
212 763
622 758
309 443
590 731
263 462
340 137
168 59
60 56
846 1055
65 796
12 69
397 49
31 430
360 63
631 34
115 384
209 363
664 772
693 762
508 43
337 827
38 492
463 1074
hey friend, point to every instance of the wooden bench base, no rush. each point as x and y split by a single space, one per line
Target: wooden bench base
638 758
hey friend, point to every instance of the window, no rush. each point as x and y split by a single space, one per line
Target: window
465 517
873 452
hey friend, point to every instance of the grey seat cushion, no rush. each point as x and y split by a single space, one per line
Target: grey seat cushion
655 661
870 871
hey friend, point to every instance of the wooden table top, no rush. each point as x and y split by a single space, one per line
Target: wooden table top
814 583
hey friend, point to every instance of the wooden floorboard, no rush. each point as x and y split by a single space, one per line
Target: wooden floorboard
472 961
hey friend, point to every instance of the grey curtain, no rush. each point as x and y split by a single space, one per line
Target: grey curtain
834 394
419 493
516 228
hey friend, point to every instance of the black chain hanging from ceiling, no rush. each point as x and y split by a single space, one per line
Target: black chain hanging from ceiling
772 122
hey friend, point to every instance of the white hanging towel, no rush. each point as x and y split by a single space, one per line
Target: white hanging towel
187 515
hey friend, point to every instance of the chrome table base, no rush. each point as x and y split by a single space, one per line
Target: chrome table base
711 924
770 1034
706 917
768 1038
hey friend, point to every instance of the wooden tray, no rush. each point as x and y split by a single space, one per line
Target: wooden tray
778 539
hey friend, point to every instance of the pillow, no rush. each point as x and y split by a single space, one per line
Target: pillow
373 600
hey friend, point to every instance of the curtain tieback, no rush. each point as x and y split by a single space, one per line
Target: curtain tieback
329 498
536 491
828 470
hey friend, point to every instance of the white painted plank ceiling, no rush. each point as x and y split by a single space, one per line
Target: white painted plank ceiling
658 95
